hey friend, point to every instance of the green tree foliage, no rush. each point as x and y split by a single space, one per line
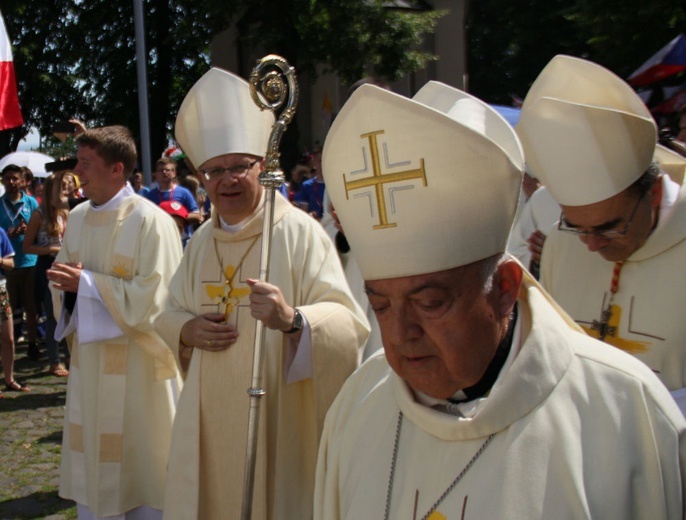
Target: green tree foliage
350 37
43 66
510 42
76 58
622 34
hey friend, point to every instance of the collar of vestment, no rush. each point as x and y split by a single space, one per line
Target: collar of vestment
670 229
525 381
115 201
252 226
484 385
117 208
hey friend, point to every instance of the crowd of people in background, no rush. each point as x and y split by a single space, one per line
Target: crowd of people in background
34 219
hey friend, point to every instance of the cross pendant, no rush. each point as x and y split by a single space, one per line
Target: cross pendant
603 327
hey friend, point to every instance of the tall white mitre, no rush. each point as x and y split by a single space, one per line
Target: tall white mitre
587 135
218 116
422 185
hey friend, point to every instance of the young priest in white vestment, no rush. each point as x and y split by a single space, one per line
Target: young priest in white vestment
487 401
110 281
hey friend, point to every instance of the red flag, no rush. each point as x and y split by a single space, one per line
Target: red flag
10 113
664 63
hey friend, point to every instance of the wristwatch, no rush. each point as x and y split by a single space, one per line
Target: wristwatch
297 322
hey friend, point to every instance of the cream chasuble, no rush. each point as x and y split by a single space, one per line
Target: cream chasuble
647 312
557 451
120 403
206 469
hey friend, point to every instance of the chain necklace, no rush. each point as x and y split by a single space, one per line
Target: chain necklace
231 296
448 489
603 326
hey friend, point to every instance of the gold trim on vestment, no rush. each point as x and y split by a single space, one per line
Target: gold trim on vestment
116 355
122 266
76 437
111 447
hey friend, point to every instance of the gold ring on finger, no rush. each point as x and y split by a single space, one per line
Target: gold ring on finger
208 343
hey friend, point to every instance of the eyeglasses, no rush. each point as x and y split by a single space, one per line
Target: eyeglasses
609 234
237 171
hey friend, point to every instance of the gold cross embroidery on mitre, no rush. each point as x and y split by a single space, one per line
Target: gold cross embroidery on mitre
378 179
226 294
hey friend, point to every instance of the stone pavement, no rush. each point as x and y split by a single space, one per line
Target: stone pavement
30 442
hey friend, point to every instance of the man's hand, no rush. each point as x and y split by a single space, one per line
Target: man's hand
268 305
536 241
17 230
209 332
65 277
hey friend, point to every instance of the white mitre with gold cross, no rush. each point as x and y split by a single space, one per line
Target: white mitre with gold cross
587 135
218 116
421 185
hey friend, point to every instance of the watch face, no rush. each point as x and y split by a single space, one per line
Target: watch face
298 320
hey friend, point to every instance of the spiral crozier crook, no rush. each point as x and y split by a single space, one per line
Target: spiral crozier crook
273 86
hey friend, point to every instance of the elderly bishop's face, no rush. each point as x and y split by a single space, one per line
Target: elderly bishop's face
440 330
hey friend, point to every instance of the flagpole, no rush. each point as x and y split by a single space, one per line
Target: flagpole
141 62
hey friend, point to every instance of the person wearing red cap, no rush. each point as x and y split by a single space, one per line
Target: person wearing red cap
180 215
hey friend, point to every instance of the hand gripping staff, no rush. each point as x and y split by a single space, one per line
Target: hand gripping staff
272 84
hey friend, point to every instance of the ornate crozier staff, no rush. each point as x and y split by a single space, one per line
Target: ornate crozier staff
269 90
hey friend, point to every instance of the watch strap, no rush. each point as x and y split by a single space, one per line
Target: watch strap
297 322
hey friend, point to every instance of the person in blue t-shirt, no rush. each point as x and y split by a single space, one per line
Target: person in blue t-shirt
168 189
311 195
136 181
16 208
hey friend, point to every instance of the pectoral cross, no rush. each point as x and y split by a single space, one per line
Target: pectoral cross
226 295
607 329
603 326
437 515
378 179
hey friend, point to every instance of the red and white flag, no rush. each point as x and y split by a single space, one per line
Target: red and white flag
10 113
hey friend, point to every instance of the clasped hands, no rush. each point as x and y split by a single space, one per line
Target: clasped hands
65 276
210 331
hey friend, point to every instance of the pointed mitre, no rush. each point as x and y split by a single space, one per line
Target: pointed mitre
672 163
218 116
421 185
586 134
